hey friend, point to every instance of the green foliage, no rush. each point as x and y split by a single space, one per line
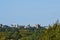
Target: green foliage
50 33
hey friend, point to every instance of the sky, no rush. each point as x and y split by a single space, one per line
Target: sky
32 12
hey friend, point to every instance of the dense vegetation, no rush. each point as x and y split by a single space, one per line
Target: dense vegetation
32 33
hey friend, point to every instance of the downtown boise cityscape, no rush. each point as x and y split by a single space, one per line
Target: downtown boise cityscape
36 32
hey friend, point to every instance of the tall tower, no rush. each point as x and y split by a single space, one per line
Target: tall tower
1 25
37 26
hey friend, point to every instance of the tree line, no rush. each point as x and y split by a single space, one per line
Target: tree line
52 32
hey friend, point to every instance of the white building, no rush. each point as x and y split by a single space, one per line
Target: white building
37 26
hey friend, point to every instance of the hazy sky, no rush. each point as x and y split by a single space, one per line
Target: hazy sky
25 12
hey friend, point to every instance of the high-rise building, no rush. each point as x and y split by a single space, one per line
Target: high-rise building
37 26
1 25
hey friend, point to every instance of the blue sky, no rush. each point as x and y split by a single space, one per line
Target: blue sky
32 12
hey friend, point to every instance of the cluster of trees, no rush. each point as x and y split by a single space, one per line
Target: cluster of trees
42 33
52 33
